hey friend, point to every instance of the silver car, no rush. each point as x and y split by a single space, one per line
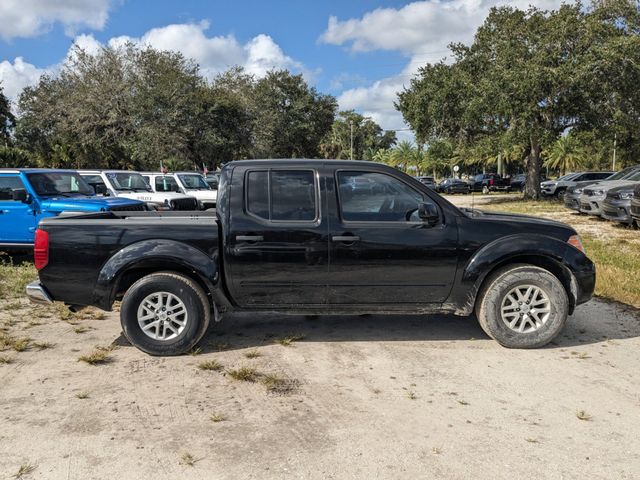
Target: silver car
558 187
573 194
594 195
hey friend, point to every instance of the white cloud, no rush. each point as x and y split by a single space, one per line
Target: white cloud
28 18
217 53
421 31
17 75
214 54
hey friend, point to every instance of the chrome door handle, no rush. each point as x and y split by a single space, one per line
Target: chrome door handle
249 238
345 238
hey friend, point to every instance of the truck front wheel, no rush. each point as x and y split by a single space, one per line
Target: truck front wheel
165 313
522 306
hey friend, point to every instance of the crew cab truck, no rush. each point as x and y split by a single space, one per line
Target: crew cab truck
189 183
29 195
123 183
294 236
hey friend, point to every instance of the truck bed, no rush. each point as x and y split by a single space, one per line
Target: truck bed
82 247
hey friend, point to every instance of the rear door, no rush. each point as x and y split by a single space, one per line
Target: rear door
17 219
277 241
381 253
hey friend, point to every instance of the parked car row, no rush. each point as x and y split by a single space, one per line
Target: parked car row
610 198
28 195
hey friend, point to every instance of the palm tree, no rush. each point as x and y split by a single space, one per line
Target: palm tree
403 155
565 154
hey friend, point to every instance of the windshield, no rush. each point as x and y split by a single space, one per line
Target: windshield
634 177
193 182
59 183
622 173
128 181
567 177
166 184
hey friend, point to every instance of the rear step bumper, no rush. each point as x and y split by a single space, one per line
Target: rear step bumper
38 294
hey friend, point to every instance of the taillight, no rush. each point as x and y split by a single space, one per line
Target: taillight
41 249
576 242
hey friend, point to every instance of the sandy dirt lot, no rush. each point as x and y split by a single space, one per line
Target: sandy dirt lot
361 397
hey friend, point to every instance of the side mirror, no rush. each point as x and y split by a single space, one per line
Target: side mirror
20 195
100 189
428 212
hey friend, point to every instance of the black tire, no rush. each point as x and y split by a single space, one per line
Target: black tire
495 291
559 194
196 305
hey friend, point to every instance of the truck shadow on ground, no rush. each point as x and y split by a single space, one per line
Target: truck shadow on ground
592 323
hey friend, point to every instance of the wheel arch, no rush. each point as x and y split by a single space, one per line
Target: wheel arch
538 250
151 256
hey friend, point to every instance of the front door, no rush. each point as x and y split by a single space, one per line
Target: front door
381 252
17 219
277 244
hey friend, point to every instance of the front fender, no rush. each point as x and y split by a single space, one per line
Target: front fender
540 250
501 249
157 253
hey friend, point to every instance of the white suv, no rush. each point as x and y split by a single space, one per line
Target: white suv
122 183
189 183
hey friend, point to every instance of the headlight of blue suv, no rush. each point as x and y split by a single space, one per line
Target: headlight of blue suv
626 195
597 193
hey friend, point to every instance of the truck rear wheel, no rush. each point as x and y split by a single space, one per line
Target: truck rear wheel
522 306
165 313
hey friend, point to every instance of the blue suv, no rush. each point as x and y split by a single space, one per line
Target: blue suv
29 195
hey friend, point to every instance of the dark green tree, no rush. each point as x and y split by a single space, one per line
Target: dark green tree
291 118
7 120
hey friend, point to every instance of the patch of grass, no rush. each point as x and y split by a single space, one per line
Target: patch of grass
43 345
411 395
14 277
17 344
217 417
252 354
24 469
582 415
617 266
82 395
244 374
4 360
210 365
81 329
463 402
377 391
195 351
12 306
280 385
187 459
100 356
289 340
436 450
532 440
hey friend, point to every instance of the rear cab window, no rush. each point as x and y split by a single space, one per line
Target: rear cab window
282 195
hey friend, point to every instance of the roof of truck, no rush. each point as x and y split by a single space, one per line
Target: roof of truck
303 161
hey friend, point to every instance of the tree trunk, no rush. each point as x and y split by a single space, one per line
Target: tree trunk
534 164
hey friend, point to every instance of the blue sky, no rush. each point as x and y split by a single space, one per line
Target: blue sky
363 52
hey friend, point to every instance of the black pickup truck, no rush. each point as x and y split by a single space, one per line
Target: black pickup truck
314 237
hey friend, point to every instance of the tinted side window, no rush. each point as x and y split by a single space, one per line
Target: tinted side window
601 175
375 197
258 194
293 195
282 195
7 185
